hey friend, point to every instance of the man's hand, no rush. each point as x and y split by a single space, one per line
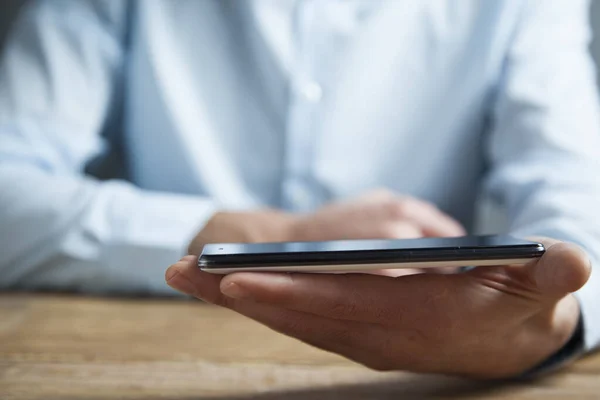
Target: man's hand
491 322
377 215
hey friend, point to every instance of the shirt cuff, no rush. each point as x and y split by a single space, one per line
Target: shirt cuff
154 234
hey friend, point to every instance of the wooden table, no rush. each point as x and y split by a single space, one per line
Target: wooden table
67 347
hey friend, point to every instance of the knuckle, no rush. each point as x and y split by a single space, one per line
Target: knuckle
348 310
223 301
351 304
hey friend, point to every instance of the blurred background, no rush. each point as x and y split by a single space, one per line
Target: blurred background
9 8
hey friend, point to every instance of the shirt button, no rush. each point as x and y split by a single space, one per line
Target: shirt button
312 92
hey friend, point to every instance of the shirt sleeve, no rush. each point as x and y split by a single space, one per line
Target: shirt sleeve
544 149
60 229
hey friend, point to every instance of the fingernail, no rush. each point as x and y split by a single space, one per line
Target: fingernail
179 282
235 291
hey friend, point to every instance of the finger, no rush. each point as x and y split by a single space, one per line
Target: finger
367 344
354 297
428 218
346 338
185 277
388 230
564 268
443 270
328 334
391 230
547 242
396 272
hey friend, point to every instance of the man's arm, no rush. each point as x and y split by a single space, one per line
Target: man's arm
58 228
545 146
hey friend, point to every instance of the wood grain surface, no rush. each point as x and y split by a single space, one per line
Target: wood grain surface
68 347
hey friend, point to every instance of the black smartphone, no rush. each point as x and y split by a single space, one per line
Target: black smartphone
364 255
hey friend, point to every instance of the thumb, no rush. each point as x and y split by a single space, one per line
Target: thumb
564 268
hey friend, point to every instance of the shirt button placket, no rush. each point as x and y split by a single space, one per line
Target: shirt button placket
305 96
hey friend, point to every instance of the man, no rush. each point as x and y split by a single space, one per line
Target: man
271 120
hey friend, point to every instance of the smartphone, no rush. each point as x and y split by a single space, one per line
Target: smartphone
363 255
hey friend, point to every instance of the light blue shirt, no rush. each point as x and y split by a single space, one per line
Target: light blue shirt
236 105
